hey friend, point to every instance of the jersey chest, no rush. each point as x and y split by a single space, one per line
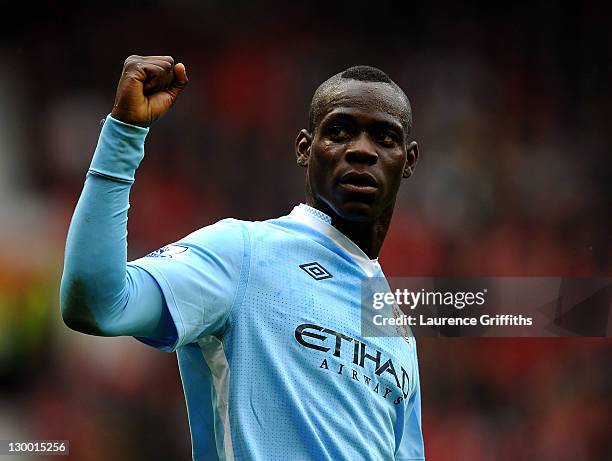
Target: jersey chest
304 305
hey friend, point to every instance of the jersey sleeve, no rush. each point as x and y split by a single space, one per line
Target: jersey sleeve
411 446
200 277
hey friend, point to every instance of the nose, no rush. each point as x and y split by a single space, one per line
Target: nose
361 150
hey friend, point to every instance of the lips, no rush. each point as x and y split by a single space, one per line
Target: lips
359 182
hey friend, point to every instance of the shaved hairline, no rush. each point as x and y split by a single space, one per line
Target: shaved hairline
324 94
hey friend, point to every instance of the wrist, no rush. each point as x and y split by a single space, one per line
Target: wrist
118 117
120 149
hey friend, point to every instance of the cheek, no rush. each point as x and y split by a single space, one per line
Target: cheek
325 155
318 167
394 170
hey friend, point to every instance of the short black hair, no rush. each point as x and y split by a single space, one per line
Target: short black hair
363 74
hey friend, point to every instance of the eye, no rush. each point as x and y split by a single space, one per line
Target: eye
338 133
386 138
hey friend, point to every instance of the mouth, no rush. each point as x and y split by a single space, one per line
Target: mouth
359 182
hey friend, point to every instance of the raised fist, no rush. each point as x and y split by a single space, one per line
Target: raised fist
148 87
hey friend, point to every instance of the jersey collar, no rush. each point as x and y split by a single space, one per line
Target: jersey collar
322 223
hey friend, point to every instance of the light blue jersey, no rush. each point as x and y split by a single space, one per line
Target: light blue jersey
264 317
269 346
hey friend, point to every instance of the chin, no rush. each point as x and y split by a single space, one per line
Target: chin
357 211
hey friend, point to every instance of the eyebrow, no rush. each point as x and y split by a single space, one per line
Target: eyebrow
337 117
396 127
347 115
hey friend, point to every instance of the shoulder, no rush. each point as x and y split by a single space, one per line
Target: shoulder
230 228
227 232
224 225
225 237
235 235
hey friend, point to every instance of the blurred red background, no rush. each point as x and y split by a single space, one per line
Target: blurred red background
511 111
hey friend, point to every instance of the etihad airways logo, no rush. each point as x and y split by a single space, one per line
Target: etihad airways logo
367 365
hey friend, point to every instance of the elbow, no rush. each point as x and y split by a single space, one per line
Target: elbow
76 322
75 307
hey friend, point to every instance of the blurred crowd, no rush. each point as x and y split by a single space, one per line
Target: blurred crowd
511 112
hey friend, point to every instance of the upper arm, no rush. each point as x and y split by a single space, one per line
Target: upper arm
199 278
137 309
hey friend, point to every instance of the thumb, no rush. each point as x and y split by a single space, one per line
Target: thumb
180 80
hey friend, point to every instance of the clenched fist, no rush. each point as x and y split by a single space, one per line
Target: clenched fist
148 87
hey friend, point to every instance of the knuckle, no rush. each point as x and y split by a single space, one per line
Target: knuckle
132 63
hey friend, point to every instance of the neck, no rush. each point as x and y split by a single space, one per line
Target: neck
367 235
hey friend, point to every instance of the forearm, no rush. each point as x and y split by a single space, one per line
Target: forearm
98 295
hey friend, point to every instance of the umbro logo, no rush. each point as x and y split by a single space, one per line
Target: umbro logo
316 271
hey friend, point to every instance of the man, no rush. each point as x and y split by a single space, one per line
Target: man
264 316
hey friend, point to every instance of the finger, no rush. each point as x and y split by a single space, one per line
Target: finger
135 65
139 60
161 63
169 59
154 72
163 67
157 78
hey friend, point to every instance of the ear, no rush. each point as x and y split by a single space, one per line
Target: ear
302 147
412 155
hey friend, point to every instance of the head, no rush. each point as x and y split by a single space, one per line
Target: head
357 147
